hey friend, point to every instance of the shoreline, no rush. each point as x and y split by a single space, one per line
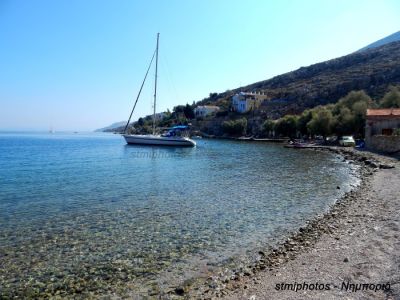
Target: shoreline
241 282
236 277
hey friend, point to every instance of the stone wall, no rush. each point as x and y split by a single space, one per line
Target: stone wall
384 143
378 125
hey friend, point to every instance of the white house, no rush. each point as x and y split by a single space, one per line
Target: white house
205 110
160 116
243 101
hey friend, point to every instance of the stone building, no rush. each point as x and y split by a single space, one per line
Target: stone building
382 129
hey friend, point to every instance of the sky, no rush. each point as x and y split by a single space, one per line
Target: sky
78 65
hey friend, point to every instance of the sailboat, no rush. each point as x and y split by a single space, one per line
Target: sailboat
176 136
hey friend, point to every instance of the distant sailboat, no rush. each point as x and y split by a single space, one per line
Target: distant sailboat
176 136
51 130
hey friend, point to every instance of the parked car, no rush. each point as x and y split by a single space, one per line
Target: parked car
347 141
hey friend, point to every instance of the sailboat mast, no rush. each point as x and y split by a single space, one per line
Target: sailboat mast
155 89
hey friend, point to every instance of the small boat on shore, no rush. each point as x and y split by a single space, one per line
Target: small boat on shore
253 139
245 138
177 136
301 145
271 140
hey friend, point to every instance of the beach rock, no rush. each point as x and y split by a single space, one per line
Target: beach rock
247 272
385 166
180 291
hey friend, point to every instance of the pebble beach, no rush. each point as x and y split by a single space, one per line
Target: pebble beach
350 252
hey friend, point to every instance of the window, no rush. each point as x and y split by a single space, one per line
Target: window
387 131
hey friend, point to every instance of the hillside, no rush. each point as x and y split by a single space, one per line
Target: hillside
111 127
386 40
372 70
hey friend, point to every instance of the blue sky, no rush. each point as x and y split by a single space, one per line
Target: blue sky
77 65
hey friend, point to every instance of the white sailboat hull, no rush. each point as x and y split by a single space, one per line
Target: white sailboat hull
158 140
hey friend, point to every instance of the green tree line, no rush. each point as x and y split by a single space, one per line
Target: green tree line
346 117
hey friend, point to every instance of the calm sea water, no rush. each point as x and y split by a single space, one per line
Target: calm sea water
81 213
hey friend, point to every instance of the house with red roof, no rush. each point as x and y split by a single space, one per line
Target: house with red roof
382 130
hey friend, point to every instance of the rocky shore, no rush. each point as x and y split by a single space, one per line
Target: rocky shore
356 242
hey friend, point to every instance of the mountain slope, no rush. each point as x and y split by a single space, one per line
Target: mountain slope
111 127
372 70
386 40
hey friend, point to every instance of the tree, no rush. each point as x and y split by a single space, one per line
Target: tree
235 127
321 123
350 113
140 122
178 112
179 109
344 122
303 120
189 112
286 126
391 98
350 99
268 127
213 95
359 110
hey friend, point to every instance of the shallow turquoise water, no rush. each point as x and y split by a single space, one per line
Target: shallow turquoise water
90 211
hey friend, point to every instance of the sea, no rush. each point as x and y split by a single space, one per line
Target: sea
87 214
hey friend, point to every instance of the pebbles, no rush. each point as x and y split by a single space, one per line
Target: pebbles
94 272
307 235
